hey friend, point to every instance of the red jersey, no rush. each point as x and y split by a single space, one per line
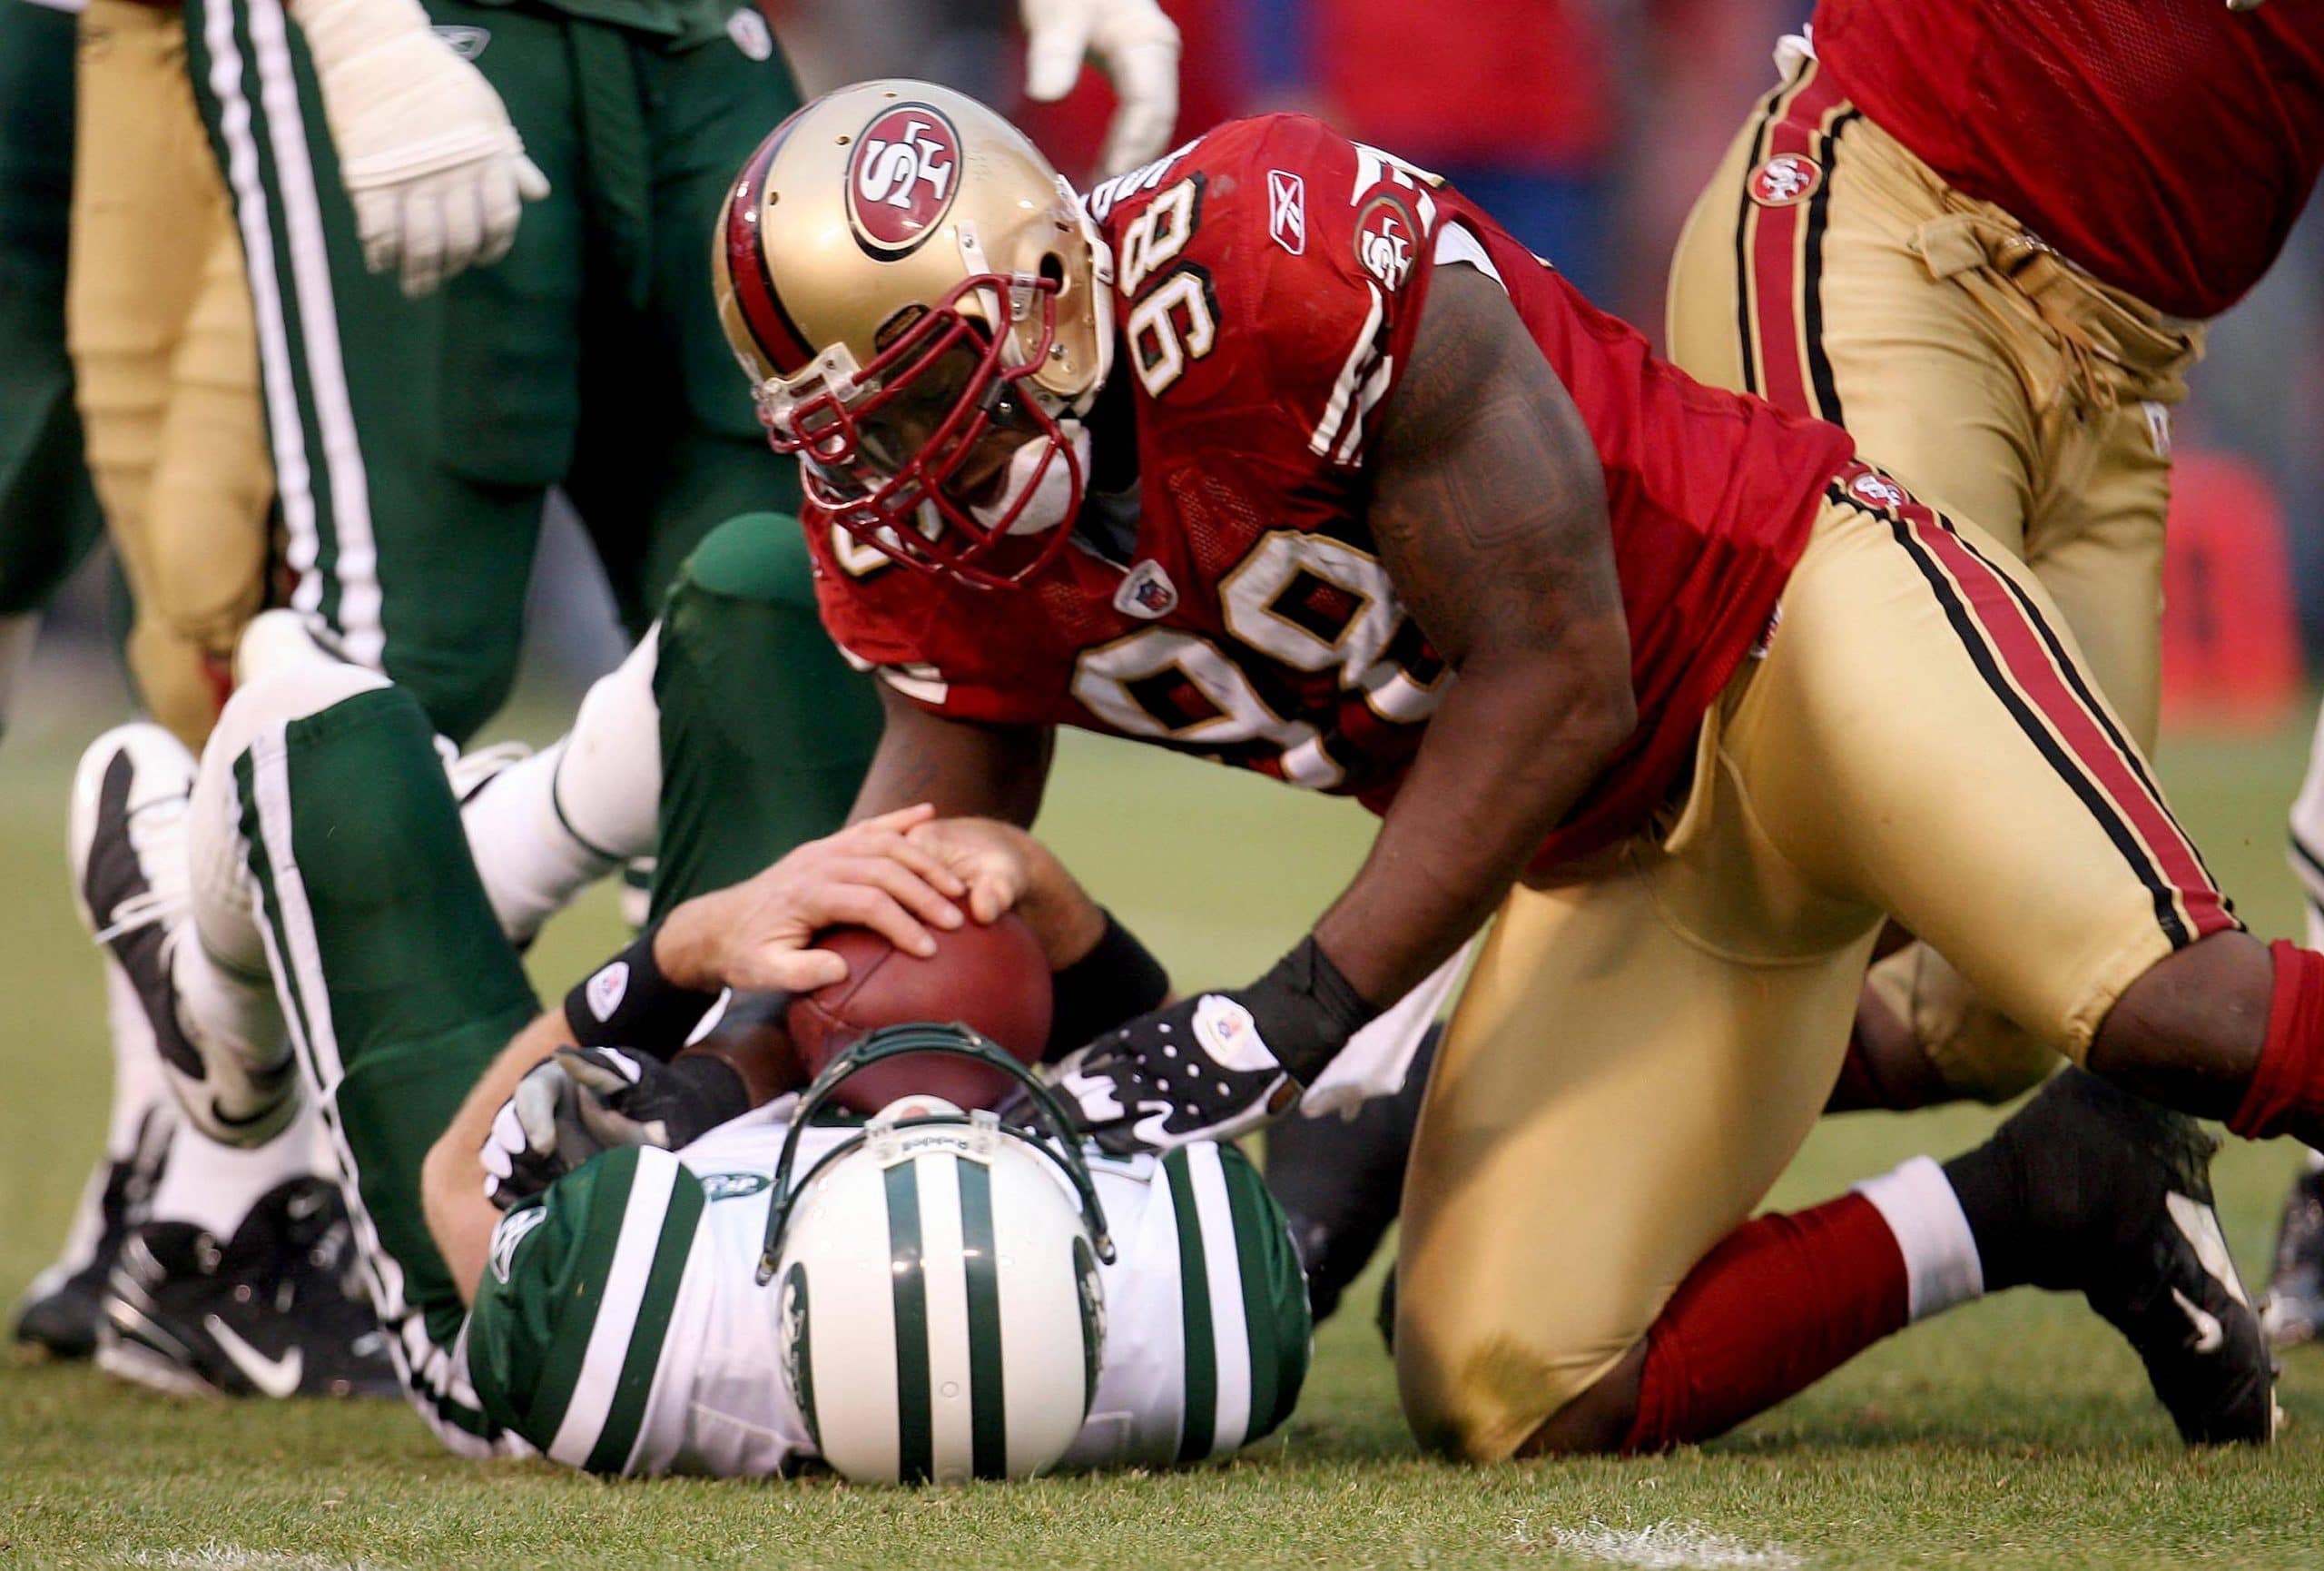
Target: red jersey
2166 145
1268 278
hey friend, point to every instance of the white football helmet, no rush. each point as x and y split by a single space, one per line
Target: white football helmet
937 1280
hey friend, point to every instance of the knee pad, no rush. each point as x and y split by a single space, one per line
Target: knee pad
286 686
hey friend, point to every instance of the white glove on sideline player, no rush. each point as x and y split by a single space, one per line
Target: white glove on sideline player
437 173
1138 47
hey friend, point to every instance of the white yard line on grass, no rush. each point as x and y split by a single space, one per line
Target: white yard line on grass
216 1557
1664 1547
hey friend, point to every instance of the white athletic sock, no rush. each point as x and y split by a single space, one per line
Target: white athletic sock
531 861
137 1084
17 634
225 1009
213 1186
1941 1264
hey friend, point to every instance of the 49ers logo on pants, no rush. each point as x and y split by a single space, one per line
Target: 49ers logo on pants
902 179
1785 179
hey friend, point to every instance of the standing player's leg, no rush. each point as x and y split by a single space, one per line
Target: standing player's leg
2295 1308
48 514
341 869
413 440
48 521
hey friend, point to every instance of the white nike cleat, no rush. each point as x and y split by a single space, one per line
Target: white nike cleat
131 800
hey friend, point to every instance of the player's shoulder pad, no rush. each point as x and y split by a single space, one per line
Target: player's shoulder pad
590 1271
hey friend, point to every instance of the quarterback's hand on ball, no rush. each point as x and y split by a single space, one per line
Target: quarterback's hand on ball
436 173
581 1100
1194 1070
755 936
1138 47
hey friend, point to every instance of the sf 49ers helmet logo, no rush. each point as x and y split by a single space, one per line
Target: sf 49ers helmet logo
1384 236
902 179
1785 179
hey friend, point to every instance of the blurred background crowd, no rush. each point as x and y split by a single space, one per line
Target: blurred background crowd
1596 175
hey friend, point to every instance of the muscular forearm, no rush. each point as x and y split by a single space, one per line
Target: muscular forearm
459 1218
1508 753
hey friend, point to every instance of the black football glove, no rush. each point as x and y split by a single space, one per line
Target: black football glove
1215 1066
582 1100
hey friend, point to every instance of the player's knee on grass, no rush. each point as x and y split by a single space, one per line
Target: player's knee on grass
1976 1052
766 731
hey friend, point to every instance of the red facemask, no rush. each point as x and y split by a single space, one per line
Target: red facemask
880 465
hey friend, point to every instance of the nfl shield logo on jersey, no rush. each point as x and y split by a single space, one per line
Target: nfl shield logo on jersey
1785 179
1147 592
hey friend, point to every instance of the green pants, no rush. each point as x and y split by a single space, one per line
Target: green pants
48 514
765 731
416 441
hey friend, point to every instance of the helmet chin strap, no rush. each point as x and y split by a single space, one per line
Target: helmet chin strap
1049 484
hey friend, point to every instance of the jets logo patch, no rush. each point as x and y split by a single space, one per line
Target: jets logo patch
902 178
1785 179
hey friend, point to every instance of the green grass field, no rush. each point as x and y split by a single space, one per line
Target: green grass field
2015 1432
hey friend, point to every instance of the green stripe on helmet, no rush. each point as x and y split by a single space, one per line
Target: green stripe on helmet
988 1390
915 1423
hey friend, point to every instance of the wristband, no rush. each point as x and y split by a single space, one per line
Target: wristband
628 1003
1305 1010
1118 979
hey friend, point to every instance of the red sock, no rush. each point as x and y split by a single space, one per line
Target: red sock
1780 1303
2285 1095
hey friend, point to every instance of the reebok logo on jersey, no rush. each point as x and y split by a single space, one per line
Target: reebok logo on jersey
606 990
1288 211
1785 179
733 1186
748 29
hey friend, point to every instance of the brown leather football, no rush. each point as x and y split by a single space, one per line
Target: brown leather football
992 979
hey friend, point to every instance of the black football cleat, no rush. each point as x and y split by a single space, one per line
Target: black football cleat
272 1312
2294 1312
2113 1199
60 1313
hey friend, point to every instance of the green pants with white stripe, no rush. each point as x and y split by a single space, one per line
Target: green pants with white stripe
396 985
415 440
48 514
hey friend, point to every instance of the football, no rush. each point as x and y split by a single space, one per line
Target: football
993 979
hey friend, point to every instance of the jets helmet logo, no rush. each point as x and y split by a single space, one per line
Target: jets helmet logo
902 179
1785 179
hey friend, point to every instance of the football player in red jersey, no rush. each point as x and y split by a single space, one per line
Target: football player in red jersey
1280 452
1983 235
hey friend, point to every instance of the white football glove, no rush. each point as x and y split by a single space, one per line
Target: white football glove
1138 47
437 173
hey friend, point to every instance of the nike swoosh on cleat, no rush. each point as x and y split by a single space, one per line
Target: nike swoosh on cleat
276 1377
2209 1336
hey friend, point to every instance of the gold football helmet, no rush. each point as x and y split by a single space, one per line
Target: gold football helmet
904 277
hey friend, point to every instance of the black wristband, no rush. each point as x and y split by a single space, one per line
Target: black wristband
1117 980
628 1003
716 1090
1305 1010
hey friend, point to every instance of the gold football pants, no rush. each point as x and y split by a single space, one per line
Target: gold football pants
1829 271
1645 1042
158 320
